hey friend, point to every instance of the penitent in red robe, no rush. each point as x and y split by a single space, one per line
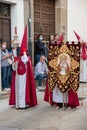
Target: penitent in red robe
72 97
30 94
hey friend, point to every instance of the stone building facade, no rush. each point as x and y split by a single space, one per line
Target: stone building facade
46 16
42 16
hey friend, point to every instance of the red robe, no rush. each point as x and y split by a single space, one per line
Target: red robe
83 53
31 98
72 97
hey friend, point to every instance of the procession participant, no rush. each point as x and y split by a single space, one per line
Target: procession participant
60 40
83 59
53 96
78 37
23 90
63 69
83 75
56 97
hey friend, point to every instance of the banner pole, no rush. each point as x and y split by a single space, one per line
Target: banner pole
82 97
63 102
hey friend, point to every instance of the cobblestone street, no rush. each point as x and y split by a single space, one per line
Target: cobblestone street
43 117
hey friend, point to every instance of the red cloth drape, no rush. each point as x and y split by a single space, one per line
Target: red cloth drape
83 53
73 100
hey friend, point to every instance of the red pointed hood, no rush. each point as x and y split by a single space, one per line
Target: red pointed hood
77 36
83 53
61 38
24 42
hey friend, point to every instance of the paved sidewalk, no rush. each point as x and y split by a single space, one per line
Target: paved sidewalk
4 95
44 116
6 128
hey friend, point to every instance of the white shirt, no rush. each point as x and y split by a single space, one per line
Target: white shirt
40 68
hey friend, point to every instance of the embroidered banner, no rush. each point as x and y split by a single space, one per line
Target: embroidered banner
64 66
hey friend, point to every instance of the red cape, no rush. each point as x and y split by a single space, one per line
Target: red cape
48 95
72 97
83 53
31 98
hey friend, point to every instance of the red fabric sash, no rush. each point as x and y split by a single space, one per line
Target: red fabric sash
83 54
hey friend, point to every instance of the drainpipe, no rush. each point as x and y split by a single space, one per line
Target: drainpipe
0 70
29 31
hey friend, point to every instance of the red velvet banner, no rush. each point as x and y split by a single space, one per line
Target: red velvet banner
64 66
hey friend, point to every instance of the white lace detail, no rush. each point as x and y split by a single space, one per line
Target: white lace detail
24 58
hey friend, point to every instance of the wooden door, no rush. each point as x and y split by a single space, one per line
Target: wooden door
5 30
44 18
